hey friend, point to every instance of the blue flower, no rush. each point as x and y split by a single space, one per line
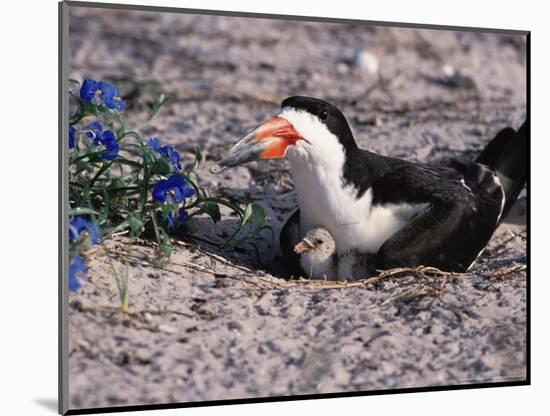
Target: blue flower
174 188
167 151
88 89
77 271
180 217
154 144
111 98
94 131
72 134
172 155
108 139
79 224
101 93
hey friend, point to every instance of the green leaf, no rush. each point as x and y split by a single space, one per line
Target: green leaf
258 214
129 162
116 182
199 158
247 214
163 252
212 210
166 249
160 167
191 179
255 213
135 223
81 166
117 187
91 153
167 209
162 101
82 211
148 156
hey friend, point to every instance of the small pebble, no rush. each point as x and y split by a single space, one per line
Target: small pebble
77 305
366 61
342 68
123 358
168 329
234 326
448 70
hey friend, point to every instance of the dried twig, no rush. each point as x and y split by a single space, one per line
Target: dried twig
506 271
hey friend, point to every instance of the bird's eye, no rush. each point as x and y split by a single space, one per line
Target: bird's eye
318 241
323 114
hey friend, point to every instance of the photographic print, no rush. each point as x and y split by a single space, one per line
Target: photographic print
271 207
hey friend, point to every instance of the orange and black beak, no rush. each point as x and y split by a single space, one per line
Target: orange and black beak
269 140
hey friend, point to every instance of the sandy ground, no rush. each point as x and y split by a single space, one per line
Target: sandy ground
216 325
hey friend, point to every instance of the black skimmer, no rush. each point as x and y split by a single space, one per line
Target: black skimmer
405 214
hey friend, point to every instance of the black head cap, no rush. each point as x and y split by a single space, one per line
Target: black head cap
329 115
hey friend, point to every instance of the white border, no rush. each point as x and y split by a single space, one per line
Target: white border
29 205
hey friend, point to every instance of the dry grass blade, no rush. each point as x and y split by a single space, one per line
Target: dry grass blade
417 272
507 271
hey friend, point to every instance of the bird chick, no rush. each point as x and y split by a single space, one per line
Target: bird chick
317 252
318 257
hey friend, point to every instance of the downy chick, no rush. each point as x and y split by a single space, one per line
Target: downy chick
317 252
319 259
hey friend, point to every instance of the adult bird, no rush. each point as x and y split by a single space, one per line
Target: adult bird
403 213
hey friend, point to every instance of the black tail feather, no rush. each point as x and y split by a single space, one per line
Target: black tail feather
507 156
495 147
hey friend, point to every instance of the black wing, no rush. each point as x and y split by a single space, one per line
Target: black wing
464 206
